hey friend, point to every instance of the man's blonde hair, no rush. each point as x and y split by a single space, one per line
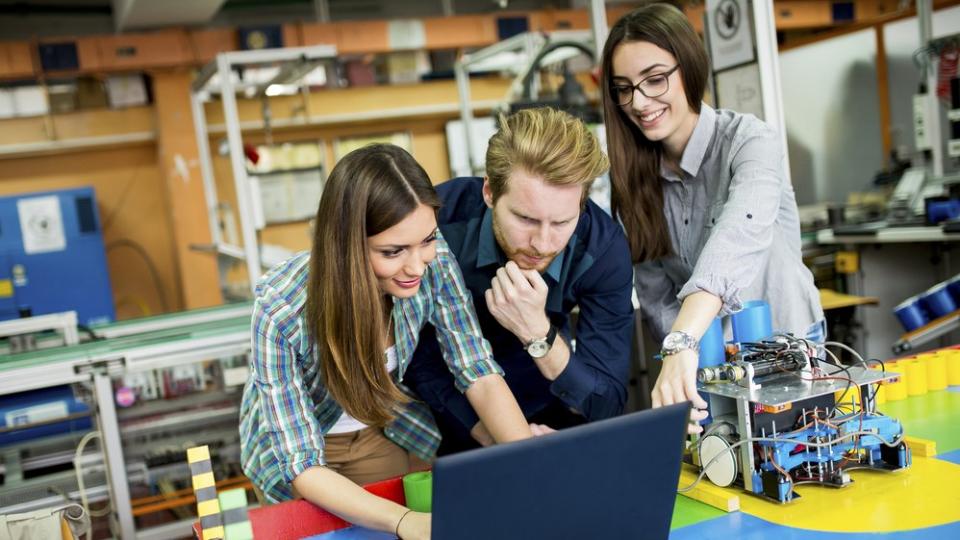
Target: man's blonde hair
547 143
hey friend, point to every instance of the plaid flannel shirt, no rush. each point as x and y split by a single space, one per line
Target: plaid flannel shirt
286 410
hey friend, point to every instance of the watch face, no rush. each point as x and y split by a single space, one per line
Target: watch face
538 348
672 341
675 342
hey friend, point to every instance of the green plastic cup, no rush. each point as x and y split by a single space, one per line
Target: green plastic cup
418 489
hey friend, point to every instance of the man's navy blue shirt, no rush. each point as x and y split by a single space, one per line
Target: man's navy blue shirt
593 272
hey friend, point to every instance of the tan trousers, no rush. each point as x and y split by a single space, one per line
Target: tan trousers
365 456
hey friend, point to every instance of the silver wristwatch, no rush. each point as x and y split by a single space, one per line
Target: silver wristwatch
677 341
538 348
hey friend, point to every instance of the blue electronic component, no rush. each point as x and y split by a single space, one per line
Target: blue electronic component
828 465
43 407
52 256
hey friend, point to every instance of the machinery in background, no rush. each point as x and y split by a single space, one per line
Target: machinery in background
776 421
42 413
155 386
52 257
524 56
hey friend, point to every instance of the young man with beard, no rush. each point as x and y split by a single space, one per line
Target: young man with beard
532 247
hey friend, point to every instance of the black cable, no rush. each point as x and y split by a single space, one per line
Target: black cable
535 65
89 331
883 367
161 292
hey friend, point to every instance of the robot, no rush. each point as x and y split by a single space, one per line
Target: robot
776 421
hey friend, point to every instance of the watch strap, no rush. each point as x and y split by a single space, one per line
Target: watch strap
552 334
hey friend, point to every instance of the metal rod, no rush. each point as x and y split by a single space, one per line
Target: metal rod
466 111
598 24
113 455
251 246
769 66
206 165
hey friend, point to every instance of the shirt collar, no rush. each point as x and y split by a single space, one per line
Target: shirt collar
489 252
696 148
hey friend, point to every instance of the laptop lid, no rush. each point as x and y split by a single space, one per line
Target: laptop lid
610 479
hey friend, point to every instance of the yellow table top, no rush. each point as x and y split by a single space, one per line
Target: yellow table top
831 299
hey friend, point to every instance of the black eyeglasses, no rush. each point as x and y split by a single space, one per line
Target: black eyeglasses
653 86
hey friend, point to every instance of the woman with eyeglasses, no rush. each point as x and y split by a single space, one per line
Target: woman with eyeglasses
709 214
325 408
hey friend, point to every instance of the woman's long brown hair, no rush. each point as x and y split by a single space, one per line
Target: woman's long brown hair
370 190
637 192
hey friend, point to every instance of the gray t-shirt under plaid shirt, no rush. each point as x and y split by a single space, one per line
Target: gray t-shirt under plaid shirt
734 226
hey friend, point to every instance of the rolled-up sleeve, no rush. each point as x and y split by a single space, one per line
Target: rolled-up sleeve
467 354
286 405
739 244
595 379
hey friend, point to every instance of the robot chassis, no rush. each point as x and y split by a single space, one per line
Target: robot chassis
775 421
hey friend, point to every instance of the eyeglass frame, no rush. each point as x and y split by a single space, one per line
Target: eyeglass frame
637 87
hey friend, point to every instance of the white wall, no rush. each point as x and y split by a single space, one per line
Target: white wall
831 106
902 39
831 111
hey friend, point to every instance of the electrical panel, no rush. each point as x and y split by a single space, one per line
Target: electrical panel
52 257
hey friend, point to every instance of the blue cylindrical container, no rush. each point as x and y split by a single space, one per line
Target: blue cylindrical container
953 285
711 345
752 323
911 314
938 301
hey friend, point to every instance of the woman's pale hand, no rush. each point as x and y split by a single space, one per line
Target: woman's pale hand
482 435
540 429
678 382
415 526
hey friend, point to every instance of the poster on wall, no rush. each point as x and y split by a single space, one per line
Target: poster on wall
41 224
739 89
730 35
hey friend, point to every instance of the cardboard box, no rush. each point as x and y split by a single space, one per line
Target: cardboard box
91 93
126 91
30 100
63 97
8 108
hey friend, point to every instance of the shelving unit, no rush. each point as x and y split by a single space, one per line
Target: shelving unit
140 446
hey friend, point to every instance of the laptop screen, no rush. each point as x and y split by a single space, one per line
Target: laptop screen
611 479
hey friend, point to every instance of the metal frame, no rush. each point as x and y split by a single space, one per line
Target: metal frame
113 455
296 58
65 322
181 320
528 43
461 69
927 333
99 366
768 63
932 126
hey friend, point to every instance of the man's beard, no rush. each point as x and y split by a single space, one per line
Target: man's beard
513 254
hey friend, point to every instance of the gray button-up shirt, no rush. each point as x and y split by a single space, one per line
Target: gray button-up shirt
734 227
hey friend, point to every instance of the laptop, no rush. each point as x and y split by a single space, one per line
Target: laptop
611 479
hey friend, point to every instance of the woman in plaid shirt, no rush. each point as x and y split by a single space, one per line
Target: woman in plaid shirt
325 408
